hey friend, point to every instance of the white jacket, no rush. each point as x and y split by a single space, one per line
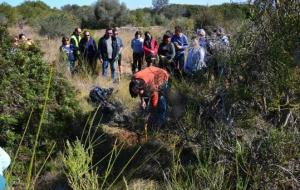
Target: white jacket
4 161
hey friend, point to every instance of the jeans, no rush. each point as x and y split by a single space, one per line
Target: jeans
159 114
105 64
2 183
179 61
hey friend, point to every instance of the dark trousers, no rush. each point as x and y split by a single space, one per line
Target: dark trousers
138 59
150 59
179 61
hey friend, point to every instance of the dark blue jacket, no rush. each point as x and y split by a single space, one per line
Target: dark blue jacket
88 48
102 48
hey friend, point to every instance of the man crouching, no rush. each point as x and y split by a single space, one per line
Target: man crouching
151 85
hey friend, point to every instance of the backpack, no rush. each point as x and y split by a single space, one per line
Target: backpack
100 95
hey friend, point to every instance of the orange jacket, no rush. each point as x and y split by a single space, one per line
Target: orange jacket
154 77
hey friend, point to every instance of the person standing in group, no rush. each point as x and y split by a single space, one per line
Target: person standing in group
166 52
120 48
67 52
137 46
203 42
88 51
150 49
4 163
108 50
195 58
75 39
181 44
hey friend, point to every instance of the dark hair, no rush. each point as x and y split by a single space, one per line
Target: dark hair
76 29
146 35
138 33
21 35
135 86
169 32
166 36
178 28
109 28
64 39
115 29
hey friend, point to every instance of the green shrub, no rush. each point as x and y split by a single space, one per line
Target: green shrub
58 25
24 76
8 14
34 11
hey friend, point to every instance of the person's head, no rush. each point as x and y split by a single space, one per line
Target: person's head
109 32
148 36
178 30
201 32
77 31
22 37
195 43
116 31
169 32
136 88
65 40
138 34
167 38
87 34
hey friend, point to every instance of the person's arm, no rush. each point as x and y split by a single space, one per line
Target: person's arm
121 46
95 46
159 51
172 53
185 43
155 49
154 100
81 46
132 43
99 50
147 50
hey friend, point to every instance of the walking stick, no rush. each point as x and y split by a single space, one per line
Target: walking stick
146 126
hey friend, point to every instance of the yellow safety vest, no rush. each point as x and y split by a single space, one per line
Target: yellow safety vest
76 41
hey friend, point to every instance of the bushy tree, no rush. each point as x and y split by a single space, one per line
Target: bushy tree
33 11
58 25
8 14
159 4
110 12
141 17
85 14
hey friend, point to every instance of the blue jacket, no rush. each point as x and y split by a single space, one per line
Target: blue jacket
137 45
88 48
181 40
69 51
119 42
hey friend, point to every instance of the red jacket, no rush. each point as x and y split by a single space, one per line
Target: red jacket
154 47
154 78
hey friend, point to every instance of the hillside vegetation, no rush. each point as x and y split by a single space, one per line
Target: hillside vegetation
235 130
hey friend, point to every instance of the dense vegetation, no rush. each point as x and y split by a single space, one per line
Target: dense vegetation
106 13
32 92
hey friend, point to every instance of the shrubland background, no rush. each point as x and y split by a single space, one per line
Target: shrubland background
56 22
238 130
